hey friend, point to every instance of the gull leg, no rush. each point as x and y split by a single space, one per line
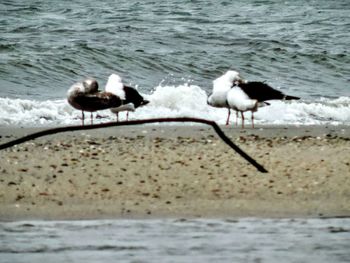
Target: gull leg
236 118
82 117
127 116
253 120
228 117
91 118
242 119
117 114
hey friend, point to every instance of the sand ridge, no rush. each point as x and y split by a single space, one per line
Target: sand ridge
176 171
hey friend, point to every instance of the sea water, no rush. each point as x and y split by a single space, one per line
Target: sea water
172 51
177 240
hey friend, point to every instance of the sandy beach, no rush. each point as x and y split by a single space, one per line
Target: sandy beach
157 171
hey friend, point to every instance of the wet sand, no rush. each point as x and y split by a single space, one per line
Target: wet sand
155 171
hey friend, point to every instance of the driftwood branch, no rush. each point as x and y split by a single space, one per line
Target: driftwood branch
217 129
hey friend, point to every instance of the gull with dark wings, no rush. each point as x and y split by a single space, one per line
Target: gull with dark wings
131 97
231 91
85 96
249 95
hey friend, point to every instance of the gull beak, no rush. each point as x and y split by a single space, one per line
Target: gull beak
239 81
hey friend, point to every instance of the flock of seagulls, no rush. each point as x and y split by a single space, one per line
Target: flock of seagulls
230 91
117 97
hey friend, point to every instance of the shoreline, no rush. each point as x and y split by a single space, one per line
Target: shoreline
185 129
175 171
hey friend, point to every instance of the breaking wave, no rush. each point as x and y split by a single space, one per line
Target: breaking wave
178 101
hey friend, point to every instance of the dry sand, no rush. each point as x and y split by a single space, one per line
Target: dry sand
175 171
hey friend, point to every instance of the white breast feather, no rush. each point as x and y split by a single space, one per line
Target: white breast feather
125 107
238 100
115 85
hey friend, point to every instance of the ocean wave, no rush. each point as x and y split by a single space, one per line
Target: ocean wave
65 249
184 100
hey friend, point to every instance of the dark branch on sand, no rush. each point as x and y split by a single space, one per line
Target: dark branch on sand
137 122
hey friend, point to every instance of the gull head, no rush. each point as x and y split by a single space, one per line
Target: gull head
90 85
234 77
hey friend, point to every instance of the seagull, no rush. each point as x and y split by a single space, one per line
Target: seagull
249 95
221 86
130 96
85 96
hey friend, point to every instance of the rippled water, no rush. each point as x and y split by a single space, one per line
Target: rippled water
170 240
301 47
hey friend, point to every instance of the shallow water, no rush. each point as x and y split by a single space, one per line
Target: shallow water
171 240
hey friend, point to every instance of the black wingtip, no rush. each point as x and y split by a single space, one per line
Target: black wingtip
291 98
145 102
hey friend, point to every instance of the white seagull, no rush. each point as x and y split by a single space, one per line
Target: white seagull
221 86
248 96
130 96
85 96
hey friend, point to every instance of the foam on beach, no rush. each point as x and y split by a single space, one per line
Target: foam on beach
179 101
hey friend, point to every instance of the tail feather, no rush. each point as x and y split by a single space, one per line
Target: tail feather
287 97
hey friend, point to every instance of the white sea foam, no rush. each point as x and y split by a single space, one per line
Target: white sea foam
178 101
